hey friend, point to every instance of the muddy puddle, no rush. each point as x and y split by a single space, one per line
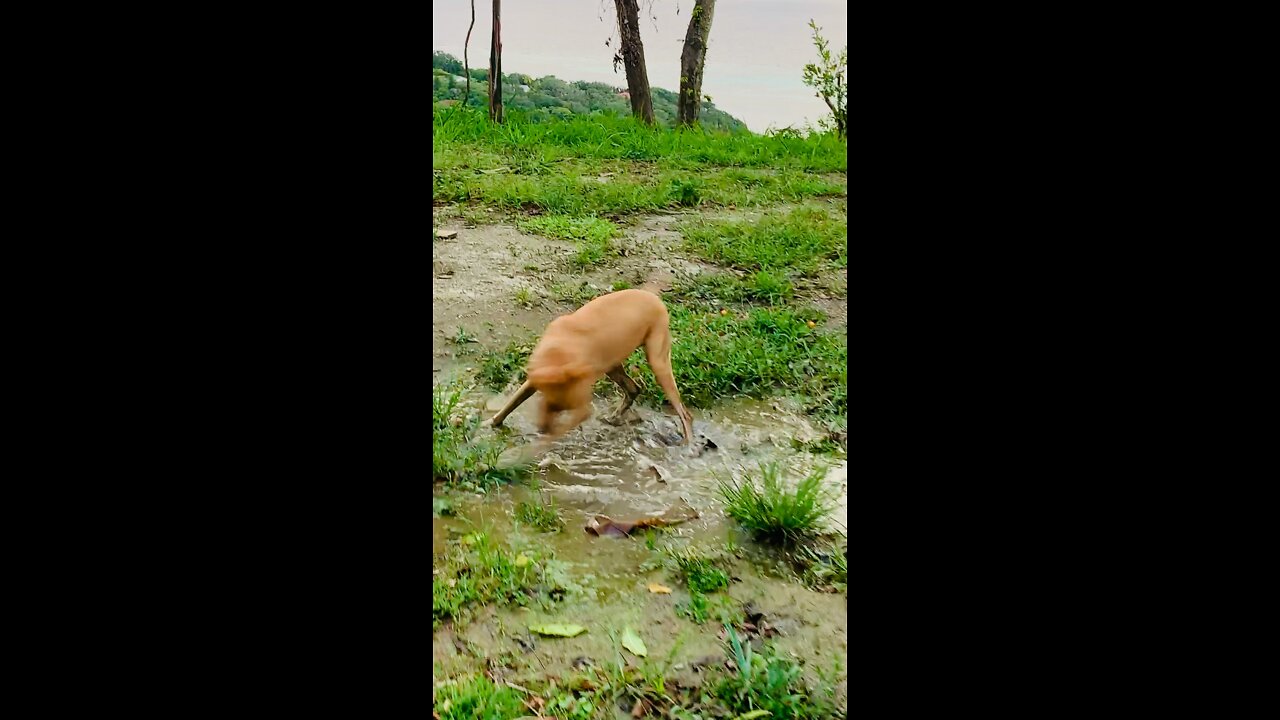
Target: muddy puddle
633 471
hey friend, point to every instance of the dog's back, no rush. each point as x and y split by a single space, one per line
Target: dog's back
602 333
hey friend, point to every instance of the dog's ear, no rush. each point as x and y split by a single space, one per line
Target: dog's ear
547 376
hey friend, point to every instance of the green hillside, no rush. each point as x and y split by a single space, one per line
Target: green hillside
541 99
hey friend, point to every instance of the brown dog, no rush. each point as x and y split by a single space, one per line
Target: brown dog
578 349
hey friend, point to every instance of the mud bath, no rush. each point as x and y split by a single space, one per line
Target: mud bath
601 469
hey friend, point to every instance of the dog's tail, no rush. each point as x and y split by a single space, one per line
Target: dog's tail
557 375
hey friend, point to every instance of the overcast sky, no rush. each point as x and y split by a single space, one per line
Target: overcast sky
755 56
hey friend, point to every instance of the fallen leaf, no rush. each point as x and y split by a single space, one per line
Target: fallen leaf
639 709
661 589
752 715
632 642
558 630
452 582
521 560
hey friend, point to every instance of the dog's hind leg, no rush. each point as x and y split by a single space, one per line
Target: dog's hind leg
657 348
629 393
524 393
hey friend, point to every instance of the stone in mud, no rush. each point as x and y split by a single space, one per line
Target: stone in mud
446 234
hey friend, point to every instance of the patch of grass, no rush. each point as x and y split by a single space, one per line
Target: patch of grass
700 572
606 137
767 351
574 191
542 514
770 682
524 297
826 566
591 234
771 511
801 241
578 295
497 367
478 571
458 455
763 286
621 285
476 697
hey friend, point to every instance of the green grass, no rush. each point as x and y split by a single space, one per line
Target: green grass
764 286
476 570
770 682
591 234
542 514
498 367
576 295
801 241
769 351
532 147
826 566
458 454
771 511
476 697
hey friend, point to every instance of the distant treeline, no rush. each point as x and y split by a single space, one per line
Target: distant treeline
543 98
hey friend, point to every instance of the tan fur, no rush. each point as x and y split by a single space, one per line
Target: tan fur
578 349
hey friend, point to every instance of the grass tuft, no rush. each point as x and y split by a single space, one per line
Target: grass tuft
458 455
592 235
476 697
541 514
772 512
769 682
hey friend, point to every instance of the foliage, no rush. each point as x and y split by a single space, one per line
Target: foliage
828 77
770 682
458 455
545 99
592 234
771 511
541 514
476 697
498 366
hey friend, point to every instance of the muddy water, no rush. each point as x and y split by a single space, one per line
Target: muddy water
631 471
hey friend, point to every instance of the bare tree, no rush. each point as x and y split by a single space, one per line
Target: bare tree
633 59
495 65
466 66
692 60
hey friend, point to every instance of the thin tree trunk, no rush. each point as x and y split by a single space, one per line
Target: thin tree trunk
495 65
633 59
466 65
692 61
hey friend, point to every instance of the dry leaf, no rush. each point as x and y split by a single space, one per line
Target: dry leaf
661 589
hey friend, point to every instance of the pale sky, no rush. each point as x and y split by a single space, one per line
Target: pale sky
755 56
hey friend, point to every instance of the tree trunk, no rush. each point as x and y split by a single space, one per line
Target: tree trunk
633 59
495 65
692 60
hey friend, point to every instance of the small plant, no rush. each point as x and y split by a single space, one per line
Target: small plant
462 337
771 683
699 571
475 697
686 193
498 366
578 295
826 567
524 297
772 512
695 609
541 514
